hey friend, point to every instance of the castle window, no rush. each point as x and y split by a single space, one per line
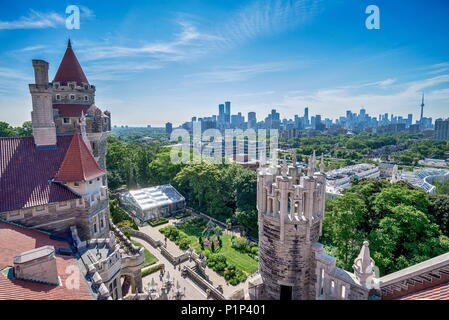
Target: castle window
72 86
322 282
86 98
77 184
102 223
95 228
332 288
343 292
90 182
86 86
56 86
58 97
66 120
72 96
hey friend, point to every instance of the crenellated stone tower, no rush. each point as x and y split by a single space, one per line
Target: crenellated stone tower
292 263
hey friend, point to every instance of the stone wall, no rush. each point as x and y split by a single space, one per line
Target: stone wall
58 219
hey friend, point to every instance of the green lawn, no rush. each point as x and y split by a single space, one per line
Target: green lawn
241 260
149 257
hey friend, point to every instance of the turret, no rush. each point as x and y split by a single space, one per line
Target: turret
291 209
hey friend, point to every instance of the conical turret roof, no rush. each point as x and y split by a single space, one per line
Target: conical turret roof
69 68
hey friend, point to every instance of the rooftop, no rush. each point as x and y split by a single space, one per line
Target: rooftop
15 241
79 163
69 68
153 197
26 173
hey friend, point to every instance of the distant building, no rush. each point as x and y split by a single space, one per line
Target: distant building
153 202
425 178
340 179
168 128
442 129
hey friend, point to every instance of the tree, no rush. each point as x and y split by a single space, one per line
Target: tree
6 130
439 210
405 237
26 130
341 227
161 170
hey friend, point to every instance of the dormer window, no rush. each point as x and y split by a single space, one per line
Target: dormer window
72 97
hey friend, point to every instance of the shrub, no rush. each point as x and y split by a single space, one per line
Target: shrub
217 262
157 221
152 269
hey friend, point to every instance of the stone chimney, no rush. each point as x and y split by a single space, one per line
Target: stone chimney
40 72
38 264
44 130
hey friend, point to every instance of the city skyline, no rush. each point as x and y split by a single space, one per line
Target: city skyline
265 55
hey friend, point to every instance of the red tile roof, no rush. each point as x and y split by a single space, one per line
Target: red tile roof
15 240
71 110
25 173
439 292
70 69
79 163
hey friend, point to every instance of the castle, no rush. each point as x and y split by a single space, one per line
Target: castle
54 188
292 263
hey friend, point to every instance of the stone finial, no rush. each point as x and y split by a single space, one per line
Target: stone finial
311 165
284 169
322 168
363 266
294 158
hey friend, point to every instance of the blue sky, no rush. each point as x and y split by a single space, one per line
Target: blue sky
159 61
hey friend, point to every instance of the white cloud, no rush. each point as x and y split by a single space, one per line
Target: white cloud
42 20
34 20
265 17
238 73
188 40
331 102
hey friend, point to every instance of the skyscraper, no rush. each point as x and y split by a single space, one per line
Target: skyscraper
227 111
221 114
252 120
168 128
306 117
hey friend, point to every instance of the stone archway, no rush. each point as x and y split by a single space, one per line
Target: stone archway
132 282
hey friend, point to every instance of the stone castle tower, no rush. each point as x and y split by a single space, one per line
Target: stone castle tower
292 263
67 105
